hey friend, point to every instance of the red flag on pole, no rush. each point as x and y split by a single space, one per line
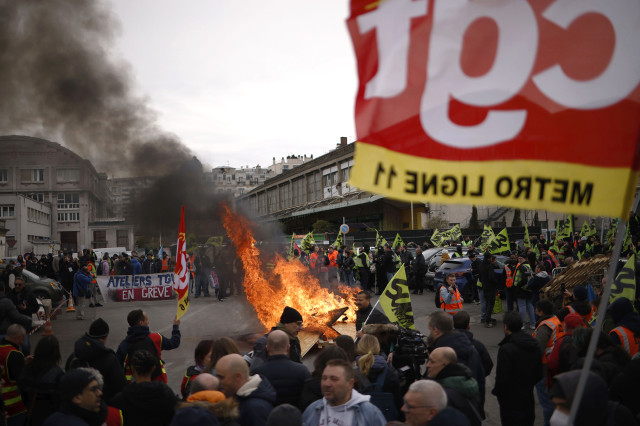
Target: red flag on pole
181 273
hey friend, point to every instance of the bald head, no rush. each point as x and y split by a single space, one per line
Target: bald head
16 334
431 393
277 343
204 381
233 372
446 354
439 358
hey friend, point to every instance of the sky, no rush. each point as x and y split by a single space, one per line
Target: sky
243 81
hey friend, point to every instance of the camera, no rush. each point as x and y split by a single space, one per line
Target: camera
409 355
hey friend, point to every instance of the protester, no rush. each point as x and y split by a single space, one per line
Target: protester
81 282
311 391
348 346
219 348
254 393
489 286
425 403
40 379
366 314
291 324
627 322
206 396
523 293
80 400
11 366
450 297
90 350
342 404
145 401
285 414
519 368
139 337
202 357
24 300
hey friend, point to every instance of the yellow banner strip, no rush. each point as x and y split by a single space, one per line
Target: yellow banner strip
525 184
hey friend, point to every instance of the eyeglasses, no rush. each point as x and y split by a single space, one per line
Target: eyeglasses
95 389
411 407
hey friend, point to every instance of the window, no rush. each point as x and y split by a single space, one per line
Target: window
4 176
99 239
37 216
37 196
7 211
69 217
68 200
122 237
68 175
31 175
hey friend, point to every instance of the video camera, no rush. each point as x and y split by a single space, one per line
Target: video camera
409 355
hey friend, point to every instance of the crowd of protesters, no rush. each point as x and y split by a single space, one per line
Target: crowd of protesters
365 382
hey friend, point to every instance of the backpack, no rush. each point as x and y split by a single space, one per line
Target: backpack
437 300
383 400
145 343
525 275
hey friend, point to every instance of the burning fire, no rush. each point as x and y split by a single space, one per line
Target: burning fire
290 284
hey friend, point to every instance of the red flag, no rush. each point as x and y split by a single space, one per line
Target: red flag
181 273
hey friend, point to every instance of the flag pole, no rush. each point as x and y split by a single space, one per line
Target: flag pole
595 335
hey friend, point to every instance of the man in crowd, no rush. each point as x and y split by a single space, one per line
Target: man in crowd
81 283
286 376
519 368
510 270
425 403
291 324
363 264
91 350
80 400
366 314
419 272
139 337
254 393
461 388
342 404
22 298
450 297
11 364
489 286
149 265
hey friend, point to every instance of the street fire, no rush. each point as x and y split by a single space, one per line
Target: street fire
289 284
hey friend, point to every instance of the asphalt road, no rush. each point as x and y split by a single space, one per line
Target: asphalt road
207 318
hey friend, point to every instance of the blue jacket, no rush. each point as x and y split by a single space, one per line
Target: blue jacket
256 398
137 267
364 412
80 284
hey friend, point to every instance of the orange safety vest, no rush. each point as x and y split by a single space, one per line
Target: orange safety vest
10 393
455 305
192 264
165 265
157 341
313 259
557 331
333 259
586 318
629 340
553 257
510 275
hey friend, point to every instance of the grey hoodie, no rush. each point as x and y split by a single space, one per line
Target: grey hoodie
358 411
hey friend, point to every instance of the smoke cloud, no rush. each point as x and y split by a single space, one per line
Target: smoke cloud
60 80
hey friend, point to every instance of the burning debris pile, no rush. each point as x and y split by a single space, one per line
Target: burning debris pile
290 284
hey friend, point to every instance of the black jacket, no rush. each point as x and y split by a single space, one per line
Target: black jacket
419 267
519 368
147 403
487 362
462 392
40 392
287 378
466 353
93 353
376 317
311 392
488 276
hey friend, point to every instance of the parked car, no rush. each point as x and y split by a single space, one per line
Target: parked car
461 267
434 261
41 287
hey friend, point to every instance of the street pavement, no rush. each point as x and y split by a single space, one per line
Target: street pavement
208 318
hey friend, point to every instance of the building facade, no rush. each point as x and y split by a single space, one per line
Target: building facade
42 181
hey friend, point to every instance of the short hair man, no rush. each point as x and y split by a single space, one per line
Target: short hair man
342 404
366 312
139 337
519 368
286 376
255 395
426 402
80 399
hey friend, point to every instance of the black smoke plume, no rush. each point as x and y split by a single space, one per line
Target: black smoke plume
60 80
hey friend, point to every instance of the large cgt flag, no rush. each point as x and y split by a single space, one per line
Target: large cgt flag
396 301
525 104
181 273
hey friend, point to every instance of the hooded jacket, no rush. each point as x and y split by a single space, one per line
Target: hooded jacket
93 353
226 411
519 368
364 412
623 315
146 403
72 415
466 353
140 331
487 362
287 378
256 398
462 391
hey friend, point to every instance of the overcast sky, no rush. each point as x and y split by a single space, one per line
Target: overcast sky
243 81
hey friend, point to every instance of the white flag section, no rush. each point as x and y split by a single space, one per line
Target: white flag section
181 272
136 287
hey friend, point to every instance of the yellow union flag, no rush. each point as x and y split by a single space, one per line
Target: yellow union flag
396 301
437 238
625 283
500 243
487 237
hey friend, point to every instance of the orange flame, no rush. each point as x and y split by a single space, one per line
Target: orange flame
290 284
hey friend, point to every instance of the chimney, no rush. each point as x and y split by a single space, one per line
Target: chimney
274 161
343 141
